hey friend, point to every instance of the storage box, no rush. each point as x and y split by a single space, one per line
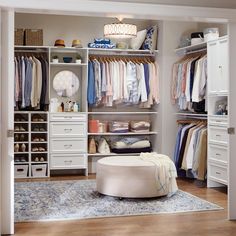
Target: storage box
93 126
21 171
19 36
34 37
39 170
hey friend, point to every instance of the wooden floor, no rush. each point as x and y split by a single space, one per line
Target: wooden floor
183 224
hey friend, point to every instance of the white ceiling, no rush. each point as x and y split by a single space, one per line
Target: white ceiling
197 3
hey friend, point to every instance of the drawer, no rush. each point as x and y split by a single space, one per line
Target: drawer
218 153
67 116
218 135
68 129
68 145
73 161
218 173
218 120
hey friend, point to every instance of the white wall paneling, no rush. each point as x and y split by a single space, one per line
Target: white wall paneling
7 118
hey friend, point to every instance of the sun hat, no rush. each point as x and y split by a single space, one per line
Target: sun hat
76 43
59 43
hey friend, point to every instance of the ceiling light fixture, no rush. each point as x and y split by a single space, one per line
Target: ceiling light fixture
120 30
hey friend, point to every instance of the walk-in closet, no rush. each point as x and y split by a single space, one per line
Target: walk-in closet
80 96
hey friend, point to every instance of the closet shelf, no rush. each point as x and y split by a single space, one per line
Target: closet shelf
39 162
20 122
191 49
67 64
121 51
21 152
122 134
122 113
213 94
21 142
38 142
20 162
191 114
21 132
112 154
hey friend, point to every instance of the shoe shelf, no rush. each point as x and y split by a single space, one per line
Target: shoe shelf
30 144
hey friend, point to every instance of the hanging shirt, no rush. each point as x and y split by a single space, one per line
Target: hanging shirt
23 68
142 92
34 90
91 97
28 81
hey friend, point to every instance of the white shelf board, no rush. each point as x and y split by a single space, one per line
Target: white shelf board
21 122
39 122
38 142
191 48
20 162
112 154
68 64
38 132
38 152
218 94
21 142
128 133
122 113
190 114
39 162
21 152
128 51
21 132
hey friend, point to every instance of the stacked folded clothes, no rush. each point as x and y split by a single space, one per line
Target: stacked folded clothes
140 126
119 126
102 43
131 145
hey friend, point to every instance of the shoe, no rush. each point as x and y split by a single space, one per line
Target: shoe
41 120
42 140
36 159
22 137
22 129
23 147
42 129
16 147
17 119
36 129
22 159
36 140
41 149
17 129
16 137
35 149
41 159
17 159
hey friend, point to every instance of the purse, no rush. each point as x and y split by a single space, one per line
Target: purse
92 146
103 146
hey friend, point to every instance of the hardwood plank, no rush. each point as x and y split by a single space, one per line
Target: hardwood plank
206 223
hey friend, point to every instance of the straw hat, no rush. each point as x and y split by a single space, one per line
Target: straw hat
76 43
59 43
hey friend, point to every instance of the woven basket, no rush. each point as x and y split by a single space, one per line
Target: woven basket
19 36
34 37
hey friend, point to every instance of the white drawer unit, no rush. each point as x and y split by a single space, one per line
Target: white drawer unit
218 121
68 129
68 145
218 173
68 117
69 161
218 135
218 153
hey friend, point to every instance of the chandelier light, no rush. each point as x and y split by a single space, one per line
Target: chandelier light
120 30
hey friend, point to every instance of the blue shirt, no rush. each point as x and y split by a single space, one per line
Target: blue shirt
91 93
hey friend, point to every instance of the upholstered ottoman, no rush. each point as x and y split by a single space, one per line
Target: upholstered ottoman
127 176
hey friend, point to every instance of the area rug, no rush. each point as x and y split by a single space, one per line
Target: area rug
61 200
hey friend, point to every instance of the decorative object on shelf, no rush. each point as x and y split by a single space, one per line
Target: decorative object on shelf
121 45
92 146
55 59
67 59
75 107
103 146
150 42
59 43
93 126
78 59
196 38
19 36
185 41
77 43
120 30
210 34
221 107
136 43
34 37
102 43
66 83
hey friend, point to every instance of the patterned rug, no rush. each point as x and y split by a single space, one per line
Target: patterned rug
60 200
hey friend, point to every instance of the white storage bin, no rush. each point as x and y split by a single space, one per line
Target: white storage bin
39 170
21 171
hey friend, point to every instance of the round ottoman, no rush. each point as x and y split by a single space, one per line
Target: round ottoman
127 176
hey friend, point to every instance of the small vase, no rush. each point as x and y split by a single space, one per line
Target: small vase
55 60
78 61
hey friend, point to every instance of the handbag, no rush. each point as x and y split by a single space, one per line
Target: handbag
92 146
103 146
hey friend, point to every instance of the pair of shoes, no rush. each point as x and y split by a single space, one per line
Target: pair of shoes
18 148
19 129
19 137
37 129
38 140
39 159
20 159
34 119
19 119
38 149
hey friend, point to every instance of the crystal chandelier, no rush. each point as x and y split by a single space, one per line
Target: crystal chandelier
120 30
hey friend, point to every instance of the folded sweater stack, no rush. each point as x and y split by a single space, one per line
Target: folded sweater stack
139 126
